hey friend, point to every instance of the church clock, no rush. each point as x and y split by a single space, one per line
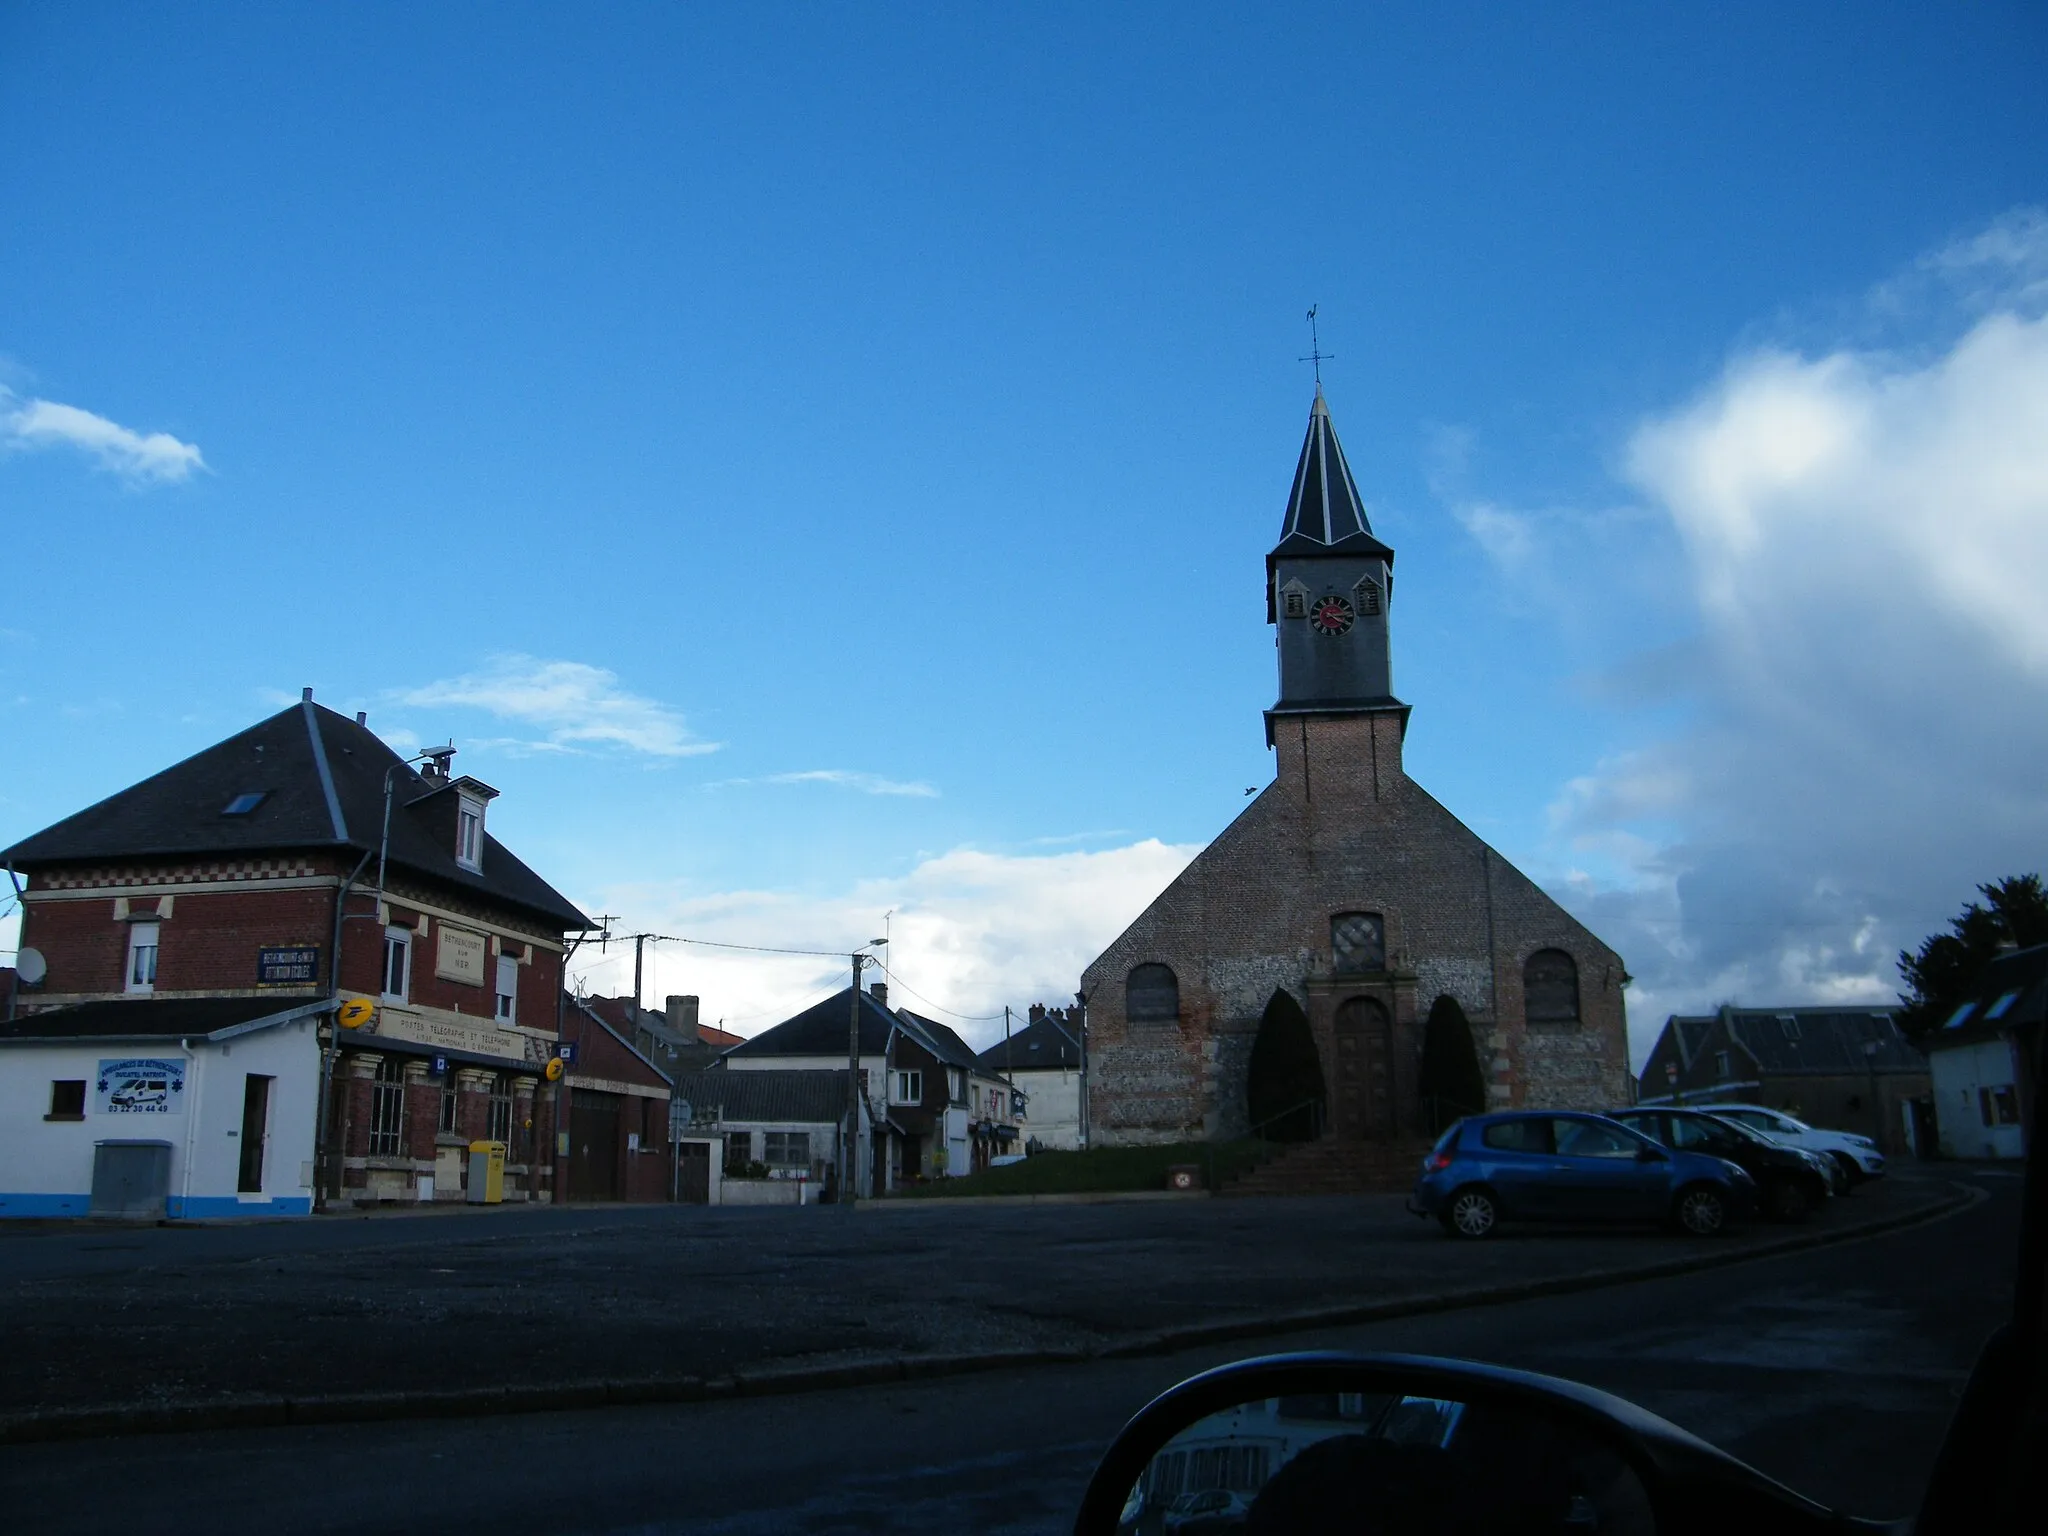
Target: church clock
1330 615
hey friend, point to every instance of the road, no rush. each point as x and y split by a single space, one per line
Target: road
1834 1369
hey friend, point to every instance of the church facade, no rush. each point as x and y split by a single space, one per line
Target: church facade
1342 908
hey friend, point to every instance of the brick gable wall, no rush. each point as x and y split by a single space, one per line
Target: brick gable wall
1342 828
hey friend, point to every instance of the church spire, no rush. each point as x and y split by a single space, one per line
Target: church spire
1324 505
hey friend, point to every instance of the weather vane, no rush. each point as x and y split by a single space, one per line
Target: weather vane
1316 354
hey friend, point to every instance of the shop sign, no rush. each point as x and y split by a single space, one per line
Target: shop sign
296 965
143 1085
461 956
480 1038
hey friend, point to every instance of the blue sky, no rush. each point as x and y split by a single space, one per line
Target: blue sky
817 461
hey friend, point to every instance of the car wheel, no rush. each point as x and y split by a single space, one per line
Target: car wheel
1852 1175
1702 1211
1788 1200
1472 1213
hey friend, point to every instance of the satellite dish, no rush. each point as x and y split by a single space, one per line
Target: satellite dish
31 967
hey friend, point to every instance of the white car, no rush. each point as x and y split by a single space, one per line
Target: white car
1857 1156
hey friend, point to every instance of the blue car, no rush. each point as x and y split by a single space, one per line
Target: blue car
1548 1165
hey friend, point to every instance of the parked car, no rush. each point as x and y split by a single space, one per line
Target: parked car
1790 1183
1857 1156
1536 1165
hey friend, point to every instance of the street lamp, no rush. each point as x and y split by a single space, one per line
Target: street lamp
849 1171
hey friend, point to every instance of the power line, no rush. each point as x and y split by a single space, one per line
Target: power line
971 1018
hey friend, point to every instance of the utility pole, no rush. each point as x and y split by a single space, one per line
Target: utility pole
639 945
849 1175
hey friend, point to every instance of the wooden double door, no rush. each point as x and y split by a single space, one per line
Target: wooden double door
1364 1079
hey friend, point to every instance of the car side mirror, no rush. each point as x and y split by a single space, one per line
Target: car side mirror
1306 1444
1651 1155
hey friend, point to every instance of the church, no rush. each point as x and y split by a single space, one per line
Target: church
1314 969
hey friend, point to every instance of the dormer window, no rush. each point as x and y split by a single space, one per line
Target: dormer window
469 834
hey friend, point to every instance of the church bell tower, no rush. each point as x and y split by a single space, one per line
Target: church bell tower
1329 586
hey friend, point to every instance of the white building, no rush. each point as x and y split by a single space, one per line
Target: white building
1983 1058
1043 1061
175 1107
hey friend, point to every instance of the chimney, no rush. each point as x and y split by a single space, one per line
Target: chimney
879 991
682 1014
362 717
1038 1013
306 695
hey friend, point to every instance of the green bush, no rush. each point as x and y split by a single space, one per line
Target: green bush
1102 1169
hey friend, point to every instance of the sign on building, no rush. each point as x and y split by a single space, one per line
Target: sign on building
288 965
142 1085
461 956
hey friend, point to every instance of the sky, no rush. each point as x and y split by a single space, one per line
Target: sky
817 461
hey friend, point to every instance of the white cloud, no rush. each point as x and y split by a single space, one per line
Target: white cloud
970 932
1864 532
576 705
866 783
135 456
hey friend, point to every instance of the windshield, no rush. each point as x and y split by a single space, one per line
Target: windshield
1747 1132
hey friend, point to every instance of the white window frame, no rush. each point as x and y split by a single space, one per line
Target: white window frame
469 833
906 1086
402 939
956 1086
145 945
508 989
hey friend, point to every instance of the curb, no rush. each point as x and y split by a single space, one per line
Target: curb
774 1381
1068 1197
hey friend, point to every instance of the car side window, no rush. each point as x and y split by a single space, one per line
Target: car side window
1692 1133
1532 1135
1585 1138
1647 1125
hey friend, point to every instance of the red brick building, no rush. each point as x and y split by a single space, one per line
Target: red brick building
234 879
1310 940
617 1111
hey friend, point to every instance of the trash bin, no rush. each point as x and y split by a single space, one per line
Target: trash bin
486 1172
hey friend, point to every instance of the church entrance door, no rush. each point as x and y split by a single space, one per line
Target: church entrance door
1365 1071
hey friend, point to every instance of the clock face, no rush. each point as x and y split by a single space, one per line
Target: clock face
1330 615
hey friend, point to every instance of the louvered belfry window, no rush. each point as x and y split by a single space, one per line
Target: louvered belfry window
1152 995
1550 988
1358 942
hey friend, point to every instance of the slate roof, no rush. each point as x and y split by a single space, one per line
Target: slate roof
169 1018
814 1097
2018 981
1821 1041
321 776
820 1030
1325 513
937 1038
1039 1047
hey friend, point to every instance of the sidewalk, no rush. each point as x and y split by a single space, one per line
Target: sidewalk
116 1330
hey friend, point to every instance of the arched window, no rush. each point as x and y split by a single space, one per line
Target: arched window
1550 988
1152 995
1358 942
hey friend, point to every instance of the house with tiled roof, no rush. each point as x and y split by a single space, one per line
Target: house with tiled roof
1043 1063
186 1051
916 1072
1843 1068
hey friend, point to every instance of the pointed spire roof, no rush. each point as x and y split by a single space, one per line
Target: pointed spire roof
1324 507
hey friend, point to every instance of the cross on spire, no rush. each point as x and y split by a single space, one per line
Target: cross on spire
1316 354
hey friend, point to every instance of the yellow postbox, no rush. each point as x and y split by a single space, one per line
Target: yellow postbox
486 1172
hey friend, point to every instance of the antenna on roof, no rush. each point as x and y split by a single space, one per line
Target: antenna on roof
1316 354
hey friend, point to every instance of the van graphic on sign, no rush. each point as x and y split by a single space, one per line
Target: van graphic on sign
144 1086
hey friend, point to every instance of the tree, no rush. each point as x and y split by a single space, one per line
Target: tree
1451 1082
1949 966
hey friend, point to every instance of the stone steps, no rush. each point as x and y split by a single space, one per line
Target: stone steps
1330 1167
